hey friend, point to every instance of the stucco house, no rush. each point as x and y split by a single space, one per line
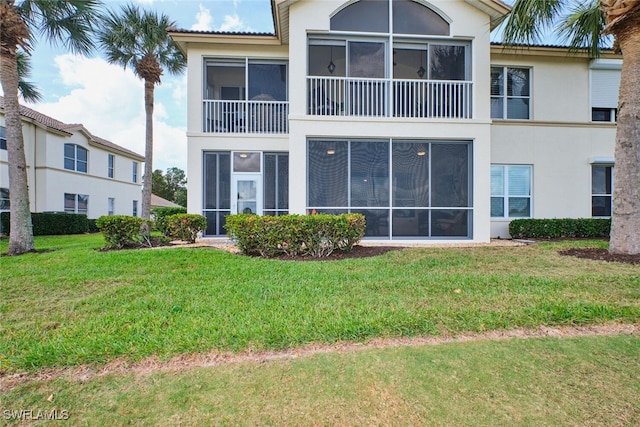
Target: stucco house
402 110
71 170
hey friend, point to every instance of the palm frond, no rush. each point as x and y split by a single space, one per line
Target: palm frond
28 90
528 21
582 28
69 23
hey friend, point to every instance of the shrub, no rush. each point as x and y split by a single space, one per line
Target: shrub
560 228
51 223
295 235
122 231
93 227
185 226
159 215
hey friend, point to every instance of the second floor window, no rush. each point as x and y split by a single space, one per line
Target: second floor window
75 158
510 93
110 165
134 177
3 138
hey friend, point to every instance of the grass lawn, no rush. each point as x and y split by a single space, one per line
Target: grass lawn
75 305
533 382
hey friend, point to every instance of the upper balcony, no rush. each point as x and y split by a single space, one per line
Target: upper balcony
412 80
245 96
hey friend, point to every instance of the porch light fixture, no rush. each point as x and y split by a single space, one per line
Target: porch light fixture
421 153
331 151
243 155
331 67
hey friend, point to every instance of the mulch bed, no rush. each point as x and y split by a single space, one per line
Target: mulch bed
599 254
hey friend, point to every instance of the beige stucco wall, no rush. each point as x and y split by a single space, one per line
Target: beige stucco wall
48 180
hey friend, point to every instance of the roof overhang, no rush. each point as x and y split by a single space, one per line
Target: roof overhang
182 39
496 9
549 51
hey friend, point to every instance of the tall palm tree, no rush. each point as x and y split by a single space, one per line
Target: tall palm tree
68 23
584 28
139 39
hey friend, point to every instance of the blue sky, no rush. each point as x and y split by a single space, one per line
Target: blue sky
109 100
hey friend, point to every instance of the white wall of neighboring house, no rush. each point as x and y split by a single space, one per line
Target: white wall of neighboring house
49 180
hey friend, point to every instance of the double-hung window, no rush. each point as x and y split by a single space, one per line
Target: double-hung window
4 199
111 165
75 158
510 191
601 190
3 138
510 93
76 203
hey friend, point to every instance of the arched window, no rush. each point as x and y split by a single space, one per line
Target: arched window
372 16
410 17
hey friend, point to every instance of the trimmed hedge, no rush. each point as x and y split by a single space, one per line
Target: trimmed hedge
185 226
160 215
51 223
560 228
122 231
295 235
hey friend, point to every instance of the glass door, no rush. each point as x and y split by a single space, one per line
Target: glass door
247 194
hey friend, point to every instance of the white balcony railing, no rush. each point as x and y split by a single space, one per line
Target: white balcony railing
344 96
245 116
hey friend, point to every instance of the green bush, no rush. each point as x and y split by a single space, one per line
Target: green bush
51 223
160 215
185 226
560 228
93 227
122 231
295 235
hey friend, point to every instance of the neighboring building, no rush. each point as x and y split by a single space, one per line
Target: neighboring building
71 170
401 110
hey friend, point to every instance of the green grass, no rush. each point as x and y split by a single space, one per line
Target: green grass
75 305
533 382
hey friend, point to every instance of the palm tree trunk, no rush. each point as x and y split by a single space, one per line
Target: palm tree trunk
21 229
149 87
625 226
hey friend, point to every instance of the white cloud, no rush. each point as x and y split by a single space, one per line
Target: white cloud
203 20
232 23
109 102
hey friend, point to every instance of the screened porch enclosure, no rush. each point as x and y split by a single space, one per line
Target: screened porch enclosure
245 97
406 189
396 68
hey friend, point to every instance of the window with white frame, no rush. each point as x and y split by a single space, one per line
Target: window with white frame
3 138
111 161
75 158
510 191
76 203
601 190
510 93
134 177
111 205
135 208
4 199
605 85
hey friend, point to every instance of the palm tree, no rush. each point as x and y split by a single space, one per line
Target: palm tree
68 23
139 39
585 28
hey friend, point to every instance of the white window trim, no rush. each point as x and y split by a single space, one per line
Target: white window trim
505 194
505 97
